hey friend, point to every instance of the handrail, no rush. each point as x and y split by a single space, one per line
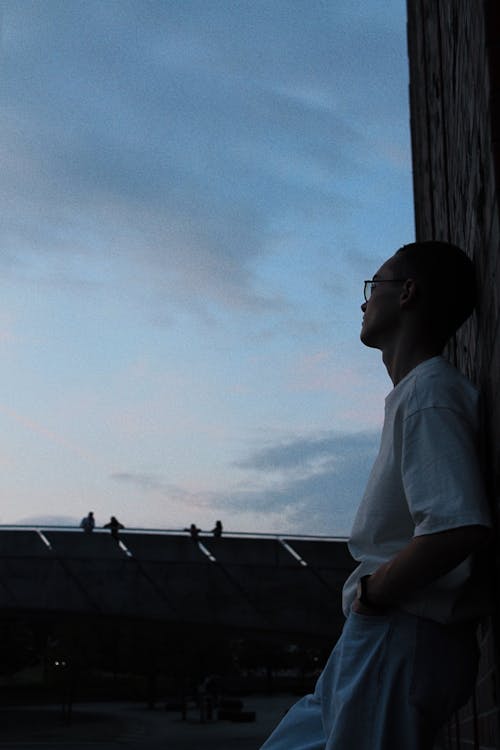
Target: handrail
178 532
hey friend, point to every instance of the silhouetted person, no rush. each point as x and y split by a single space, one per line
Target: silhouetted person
114 526
208 697
217 530
194 531
87 523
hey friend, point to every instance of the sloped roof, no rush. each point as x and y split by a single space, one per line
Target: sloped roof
265 583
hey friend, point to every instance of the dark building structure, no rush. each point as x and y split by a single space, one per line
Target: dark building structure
165 606
454 54
260 584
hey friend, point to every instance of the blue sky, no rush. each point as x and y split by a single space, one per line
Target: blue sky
192 193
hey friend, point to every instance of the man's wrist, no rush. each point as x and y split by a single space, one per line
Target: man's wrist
365 594
362 591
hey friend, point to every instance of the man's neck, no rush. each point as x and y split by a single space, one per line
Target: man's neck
403 358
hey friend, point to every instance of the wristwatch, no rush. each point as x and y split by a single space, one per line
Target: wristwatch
361 592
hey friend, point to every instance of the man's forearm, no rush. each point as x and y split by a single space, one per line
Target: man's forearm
421 562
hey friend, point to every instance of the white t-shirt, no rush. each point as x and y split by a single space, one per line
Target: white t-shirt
426 478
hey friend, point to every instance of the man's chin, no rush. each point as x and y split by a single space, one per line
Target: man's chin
368 340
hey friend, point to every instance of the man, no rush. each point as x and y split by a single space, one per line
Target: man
407 656
114 526
87 523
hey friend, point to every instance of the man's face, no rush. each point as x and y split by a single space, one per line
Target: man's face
381 314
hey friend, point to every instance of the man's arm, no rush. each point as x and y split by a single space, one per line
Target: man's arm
421 562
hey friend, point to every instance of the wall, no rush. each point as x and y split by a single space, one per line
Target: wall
454 55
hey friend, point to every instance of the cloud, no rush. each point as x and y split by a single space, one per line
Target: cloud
303 451
146 482
155 484
310 484
172 139
315 482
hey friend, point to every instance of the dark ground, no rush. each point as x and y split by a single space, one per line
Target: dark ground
131 726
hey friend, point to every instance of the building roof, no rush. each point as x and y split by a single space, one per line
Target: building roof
252 582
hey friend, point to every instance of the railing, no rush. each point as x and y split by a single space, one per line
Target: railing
177 532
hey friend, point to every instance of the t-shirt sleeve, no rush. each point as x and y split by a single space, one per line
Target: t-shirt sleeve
441 472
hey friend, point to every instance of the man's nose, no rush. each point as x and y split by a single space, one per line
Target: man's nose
363 307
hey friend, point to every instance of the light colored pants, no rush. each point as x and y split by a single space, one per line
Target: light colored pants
390 684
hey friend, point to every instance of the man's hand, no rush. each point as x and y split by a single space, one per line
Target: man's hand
421 562
363 609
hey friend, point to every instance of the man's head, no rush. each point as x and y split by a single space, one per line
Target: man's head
432 284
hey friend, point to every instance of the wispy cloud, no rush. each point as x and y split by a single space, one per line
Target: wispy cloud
190 194
307 451
148 483
309 484
174 147
317 481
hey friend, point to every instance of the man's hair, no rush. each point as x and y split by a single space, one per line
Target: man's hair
447 278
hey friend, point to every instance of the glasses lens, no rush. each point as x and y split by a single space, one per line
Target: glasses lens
368 290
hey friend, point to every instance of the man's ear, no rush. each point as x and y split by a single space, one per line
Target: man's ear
409 293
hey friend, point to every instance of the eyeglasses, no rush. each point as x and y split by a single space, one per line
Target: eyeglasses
370 285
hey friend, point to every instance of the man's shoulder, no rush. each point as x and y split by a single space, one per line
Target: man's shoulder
441 384
436 383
